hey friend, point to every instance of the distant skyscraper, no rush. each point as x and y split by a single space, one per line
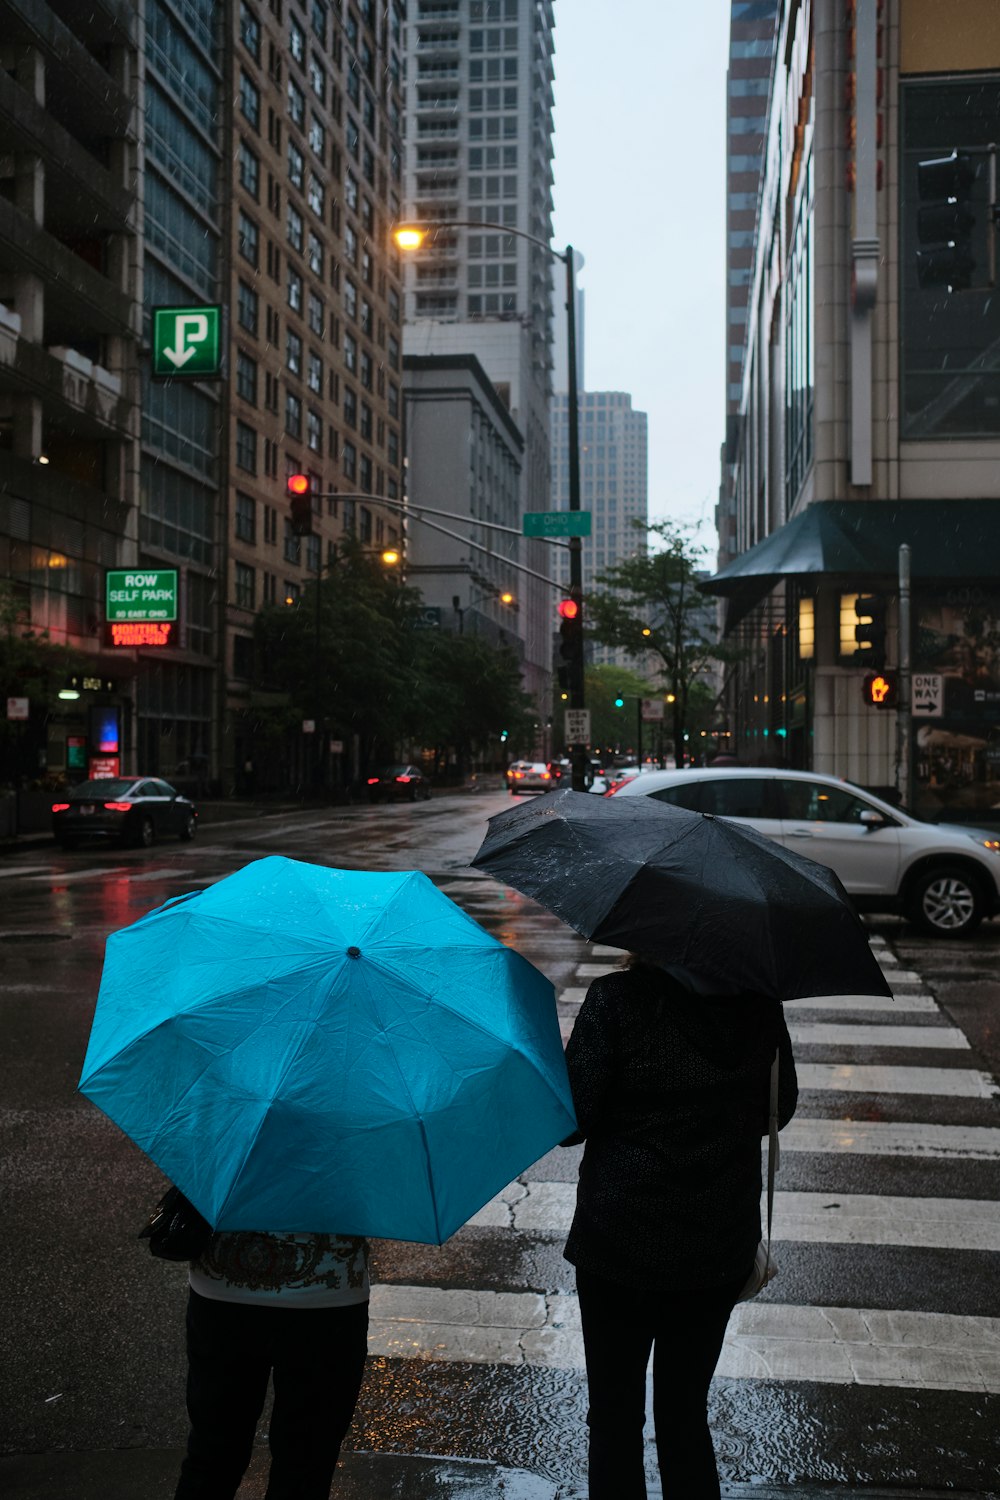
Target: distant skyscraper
613 485
479 135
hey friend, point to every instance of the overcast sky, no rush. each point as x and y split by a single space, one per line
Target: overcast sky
640 191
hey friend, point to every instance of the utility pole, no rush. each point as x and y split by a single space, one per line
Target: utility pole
904 713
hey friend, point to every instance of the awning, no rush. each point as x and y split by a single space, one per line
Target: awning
860 539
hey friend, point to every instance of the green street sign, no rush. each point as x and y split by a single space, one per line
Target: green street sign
556 523
141 594
187 342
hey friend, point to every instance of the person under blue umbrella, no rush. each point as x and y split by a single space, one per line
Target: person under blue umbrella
287 1307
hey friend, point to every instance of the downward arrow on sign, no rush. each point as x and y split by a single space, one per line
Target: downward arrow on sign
199 333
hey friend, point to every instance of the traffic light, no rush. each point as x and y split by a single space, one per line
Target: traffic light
870 630
946 221
619 701
881 689
300 498
571 643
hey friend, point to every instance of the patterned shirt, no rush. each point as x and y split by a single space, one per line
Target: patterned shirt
283 1270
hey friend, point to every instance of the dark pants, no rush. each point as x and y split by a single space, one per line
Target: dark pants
316 1356
685 1330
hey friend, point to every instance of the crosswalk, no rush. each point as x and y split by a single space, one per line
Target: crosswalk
891 1156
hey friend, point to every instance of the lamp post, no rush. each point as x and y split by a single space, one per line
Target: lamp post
411 236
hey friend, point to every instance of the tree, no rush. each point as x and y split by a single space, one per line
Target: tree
650 603
613 728
468 693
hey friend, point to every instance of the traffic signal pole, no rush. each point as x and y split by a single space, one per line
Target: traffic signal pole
578 753
904 713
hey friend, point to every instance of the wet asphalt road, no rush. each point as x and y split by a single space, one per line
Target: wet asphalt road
93 1351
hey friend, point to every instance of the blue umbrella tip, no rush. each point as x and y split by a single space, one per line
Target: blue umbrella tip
353 952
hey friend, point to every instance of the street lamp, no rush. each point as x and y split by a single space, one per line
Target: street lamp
411 236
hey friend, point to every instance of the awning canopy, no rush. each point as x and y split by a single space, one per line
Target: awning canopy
860 539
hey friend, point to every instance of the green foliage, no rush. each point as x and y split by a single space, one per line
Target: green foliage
650 602
467 692
610 727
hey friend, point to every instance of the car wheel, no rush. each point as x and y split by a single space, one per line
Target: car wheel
189 828
145 834
945 902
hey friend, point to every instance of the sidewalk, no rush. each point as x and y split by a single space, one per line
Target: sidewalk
142 1474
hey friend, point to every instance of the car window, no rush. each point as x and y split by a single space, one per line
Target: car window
148 789
821 803
163 789
688 796
109 788
738 797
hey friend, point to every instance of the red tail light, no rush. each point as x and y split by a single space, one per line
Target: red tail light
546 776
373 781
404 778
118 806
616 786
60 806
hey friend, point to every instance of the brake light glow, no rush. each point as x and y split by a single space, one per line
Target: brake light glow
404 778
60 807
546 776
118 806
373 781
518 775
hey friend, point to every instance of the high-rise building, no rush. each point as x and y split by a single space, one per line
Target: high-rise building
69 331
479 152
613 487
315 359
748 84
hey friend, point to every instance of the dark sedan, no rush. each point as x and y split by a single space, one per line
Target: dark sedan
133 810
398 784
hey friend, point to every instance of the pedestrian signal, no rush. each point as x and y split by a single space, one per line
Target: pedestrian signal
881 689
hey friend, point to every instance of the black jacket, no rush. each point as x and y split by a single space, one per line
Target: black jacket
671 1093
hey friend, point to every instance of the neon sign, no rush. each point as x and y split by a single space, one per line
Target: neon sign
140 633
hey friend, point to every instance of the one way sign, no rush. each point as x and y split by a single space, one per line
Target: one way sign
928 695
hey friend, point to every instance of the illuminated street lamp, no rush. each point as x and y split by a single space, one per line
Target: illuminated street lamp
412 236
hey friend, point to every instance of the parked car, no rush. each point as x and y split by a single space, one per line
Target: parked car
398 784
530 776
131 809
561 772
943 877
513 768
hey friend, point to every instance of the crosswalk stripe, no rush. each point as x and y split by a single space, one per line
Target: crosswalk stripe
817 1033
878 1138
766 1340
813 1218
870 1078
901 1004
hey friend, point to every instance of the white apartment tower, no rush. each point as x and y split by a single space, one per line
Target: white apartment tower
479 152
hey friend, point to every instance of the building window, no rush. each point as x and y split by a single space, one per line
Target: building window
249 30
807 629
350 461
366 370
316 314
293 352
393 353
350 352
296 41
246 517
350 298
246 448
249 100
245 590
317 78
314 430
315 256
365 424
249 239
296 104
365 475
246 377
292 550
351 191
392 451
950 312
249 166
315 372
295 228
316 195
367 324
294 290
293 415
292 591
312 553
270 526
247 307
296 165
350 407
317 136
393 399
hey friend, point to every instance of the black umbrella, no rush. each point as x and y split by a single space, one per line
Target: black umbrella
725 909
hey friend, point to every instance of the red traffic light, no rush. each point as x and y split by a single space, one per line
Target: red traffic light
569 609
298 484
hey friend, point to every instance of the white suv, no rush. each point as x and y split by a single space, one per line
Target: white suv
942 876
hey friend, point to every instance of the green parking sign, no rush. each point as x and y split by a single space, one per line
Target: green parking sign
187 342
141 594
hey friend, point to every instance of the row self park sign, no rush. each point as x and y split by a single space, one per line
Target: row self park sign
187 341
556 523
141 594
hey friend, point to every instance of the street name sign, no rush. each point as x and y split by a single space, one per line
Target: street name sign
556 523
578 726
187 342
141 594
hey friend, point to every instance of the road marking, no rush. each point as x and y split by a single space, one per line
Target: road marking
24 871
866 1078
813 1218
813 1033
898 1005
71 877
869 1138
766 1340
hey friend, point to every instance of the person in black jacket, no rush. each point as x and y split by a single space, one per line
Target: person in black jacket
671 1091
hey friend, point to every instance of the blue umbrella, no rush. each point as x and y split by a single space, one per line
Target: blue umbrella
301 1048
